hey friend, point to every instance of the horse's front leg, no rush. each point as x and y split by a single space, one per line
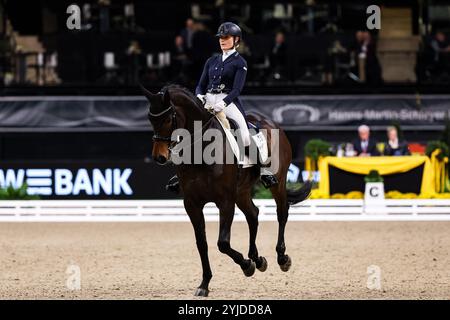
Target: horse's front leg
226 219
195 213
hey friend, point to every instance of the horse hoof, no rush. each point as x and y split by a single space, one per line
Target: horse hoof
263 266
200 292
287 265
250 270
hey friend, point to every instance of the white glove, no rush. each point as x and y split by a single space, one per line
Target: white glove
219 106
202 98
208 106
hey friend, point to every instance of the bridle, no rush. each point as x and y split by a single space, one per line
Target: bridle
173 114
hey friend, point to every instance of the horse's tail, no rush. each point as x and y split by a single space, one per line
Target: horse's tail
299 195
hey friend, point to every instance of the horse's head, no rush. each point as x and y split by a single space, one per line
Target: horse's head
162 116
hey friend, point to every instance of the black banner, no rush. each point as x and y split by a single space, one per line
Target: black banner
89 180
343 181
231 309
130 113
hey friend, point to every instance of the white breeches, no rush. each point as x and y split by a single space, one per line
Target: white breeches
232 112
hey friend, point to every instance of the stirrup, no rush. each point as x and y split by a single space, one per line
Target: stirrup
173 185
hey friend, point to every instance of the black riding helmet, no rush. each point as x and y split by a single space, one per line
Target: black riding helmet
229 29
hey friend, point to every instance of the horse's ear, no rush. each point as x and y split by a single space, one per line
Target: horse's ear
150 96
166 98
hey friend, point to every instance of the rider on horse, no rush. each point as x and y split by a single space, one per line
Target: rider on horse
221 84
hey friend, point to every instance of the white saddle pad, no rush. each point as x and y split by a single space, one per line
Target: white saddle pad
246 163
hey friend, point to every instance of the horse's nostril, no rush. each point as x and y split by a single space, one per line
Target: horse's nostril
160 159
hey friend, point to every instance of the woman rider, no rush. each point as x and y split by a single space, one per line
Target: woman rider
220 85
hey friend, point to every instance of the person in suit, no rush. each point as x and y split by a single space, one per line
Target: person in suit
395 146
365 146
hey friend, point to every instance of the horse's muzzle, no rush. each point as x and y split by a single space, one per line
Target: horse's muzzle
160 159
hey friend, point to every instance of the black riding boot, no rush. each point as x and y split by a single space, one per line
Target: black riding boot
268 179
173 185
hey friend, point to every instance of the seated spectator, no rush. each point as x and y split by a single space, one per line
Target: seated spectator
180 61
441 52
204 44
179 48
278 56
244 50
364 51
394 146
187 33
365 146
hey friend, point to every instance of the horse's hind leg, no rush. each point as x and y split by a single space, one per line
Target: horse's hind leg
226 219
245 203
195 213
280 196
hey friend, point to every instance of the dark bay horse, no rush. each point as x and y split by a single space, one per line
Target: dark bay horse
225 184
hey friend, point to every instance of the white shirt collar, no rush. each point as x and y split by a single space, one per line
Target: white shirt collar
394 143
226 54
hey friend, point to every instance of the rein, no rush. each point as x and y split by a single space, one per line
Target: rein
174 151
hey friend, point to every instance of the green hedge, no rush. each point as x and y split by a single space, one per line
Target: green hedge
315 148
10 193
260 192
436 144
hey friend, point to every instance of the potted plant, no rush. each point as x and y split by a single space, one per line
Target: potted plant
314 149
437 144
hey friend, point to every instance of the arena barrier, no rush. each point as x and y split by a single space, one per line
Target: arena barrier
173 210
